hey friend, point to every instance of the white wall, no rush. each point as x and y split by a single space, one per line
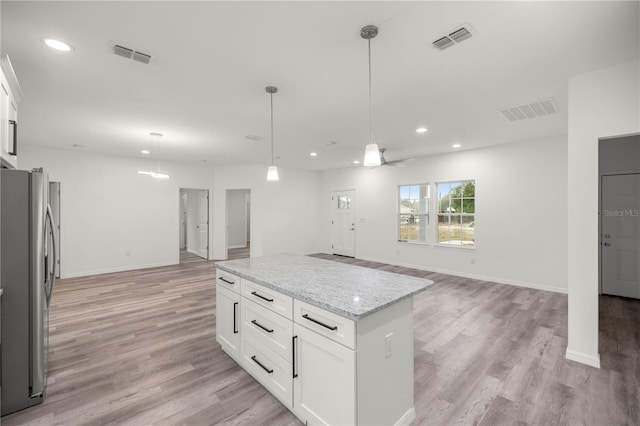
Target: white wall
284 214
602 104
521 213
108 210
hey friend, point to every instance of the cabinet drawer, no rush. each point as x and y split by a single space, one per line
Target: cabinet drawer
268 368
333 326
270 299
267 327
230 281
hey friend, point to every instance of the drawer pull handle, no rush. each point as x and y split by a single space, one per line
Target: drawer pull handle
226 281
261 296
257 324
332 328
268 370
293 356
235 327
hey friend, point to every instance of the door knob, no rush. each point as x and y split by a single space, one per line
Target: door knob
607 236
607 244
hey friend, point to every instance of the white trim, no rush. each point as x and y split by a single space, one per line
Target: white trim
591 360
117 269
534 286
237 247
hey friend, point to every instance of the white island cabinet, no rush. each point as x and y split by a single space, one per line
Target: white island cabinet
333 342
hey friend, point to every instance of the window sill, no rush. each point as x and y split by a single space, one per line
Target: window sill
455 246
416 243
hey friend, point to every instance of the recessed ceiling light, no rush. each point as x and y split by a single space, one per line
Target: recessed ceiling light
456 145
356 161
314 154
145 151
421 130
58 45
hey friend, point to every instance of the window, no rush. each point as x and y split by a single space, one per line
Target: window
413 212
456 213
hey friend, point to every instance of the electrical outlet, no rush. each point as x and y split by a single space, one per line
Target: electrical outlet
473 261
127 253
388 347
397 252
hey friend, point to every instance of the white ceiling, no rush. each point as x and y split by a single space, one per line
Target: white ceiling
204 88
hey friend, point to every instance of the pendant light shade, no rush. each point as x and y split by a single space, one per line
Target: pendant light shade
371 152
155 174
372 155
272 172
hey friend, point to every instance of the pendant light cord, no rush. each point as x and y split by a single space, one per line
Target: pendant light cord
271 128
370 98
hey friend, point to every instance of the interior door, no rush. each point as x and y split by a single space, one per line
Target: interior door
620 239
203 223
343 223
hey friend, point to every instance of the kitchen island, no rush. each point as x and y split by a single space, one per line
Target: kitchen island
333 342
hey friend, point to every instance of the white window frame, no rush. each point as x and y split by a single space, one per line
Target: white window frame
420 214
461 215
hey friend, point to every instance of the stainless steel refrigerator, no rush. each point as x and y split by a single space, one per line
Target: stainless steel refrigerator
27 277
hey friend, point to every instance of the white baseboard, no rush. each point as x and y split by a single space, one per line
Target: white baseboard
534 286
117 269
591 360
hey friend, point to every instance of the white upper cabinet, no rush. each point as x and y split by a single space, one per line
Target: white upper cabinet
10 95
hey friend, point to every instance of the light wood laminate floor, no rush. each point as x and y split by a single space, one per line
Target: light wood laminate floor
139 348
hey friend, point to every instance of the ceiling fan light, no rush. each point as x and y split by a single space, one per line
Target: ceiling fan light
372 155
272 173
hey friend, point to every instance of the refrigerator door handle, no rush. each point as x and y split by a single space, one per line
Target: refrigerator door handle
52 277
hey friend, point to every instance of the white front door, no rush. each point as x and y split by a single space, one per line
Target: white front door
203 223
620 238
343 223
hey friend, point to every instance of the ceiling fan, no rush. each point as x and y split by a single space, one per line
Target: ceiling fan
397 163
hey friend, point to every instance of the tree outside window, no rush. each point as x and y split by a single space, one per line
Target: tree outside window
456 213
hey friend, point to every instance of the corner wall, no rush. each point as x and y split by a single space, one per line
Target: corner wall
602 104
521 213
113 219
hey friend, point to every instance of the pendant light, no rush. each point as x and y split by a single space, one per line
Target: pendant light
272 172
157 173
371 152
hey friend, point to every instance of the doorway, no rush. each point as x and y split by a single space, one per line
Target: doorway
620 216
343 223
193 224
238 227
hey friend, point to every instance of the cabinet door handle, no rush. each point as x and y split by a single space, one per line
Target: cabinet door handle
293 356
330 327
235 327
261 296
226 281
268 370
14 149
256 323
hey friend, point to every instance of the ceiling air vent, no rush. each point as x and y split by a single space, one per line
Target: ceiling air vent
125 52
122 51
254 138
531 110
461 33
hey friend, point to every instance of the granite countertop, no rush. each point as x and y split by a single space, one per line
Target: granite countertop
347 290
